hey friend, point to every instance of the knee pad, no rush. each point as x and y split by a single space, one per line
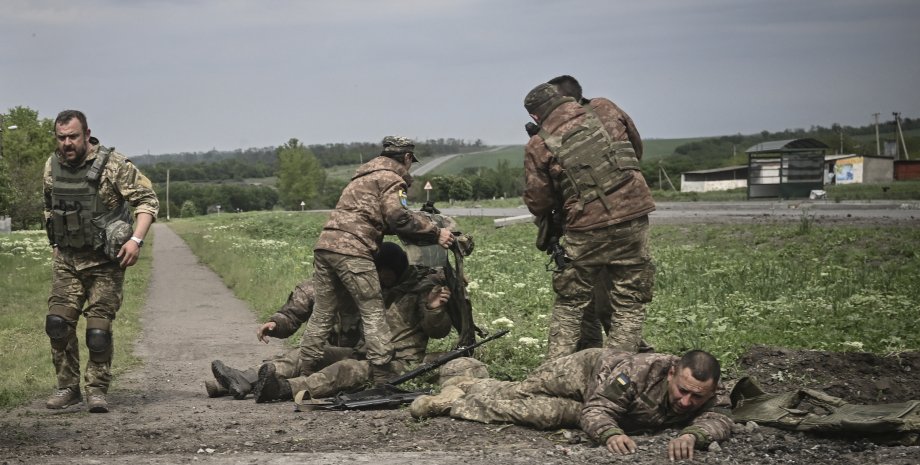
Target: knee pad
98 340
57 327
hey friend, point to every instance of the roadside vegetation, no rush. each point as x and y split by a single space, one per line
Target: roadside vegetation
722 288
24 286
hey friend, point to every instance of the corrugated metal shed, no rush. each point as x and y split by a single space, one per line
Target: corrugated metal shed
786 146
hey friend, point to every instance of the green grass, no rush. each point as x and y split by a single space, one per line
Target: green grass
513 154
899 190
25 283
655 149
722 288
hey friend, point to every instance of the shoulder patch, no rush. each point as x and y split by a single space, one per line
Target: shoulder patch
403 199
617 387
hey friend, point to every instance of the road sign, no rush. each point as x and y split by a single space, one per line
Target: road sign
428 186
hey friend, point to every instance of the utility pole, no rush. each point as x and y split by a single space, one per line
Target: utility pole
897 121
878 146
167 194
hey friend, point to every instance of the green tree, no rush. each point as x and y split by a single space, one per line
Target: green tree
188 209
25 150
299 175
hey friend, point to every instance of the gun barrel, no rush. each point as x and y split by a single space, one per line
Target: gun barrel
454 354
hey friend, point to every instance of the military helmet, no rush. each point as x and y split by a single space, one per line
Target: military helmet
398 145
543 99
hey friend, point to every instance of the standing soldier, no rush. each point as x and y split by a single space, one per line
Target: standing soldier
87 190
583 168
373 204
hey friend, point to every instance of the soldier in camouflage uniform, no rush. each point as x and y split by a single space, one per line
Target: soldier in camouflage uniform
345 341
607 393
87 190
585 161
373 204
415 298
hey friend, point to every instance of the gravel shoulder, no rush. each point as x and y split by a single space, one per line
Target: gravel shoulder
160 413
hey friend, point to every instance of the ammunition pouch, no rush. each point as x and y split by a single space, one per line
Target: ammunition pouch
594 164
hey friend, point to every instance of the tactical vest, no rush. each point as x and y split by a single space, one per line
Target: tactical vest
78 216
815 411
594 164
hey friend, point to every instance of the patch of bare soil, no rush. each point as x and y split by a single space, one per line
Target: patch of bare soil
160 413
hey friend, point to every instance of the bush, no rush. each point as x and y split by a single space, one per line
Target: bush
189 209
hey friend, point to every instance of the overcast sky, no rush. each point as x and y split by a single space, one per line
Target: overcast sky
192 75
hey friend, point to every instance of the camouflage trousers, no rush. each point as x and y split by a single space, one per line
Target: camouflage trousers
615 259
550 397
99 289
337 277
345 375
287 365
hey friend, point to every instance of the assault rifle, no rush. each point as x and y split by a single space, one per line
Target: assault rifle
388 395
549 229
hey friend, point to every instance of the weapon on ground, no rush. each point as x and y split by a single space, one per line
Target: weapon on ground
388 395
448 356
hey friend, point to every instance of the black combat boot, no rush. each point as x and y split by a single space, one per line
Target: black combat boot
238 383
270 387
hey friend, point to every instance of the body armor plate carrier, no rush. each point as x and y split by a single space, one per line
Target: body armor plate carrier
594 164
78 217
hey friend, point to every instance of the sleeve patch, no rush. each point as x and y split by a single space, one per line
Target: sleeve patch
403 199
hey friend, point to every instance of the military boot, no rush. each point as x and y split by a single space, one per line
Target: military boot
437 405
380 374
215 389
96 402
63 398
270 387
238 383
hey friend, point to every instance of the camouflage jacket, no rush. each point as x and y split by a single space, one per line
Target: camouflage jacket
542 172
410 320
120 181
372 205
298 309
643 403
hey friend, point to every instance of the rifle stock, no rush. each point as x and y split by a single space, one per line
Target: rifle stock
454 354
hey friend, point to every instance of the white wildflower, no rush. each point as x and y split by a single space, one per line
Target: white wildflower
503 321
528 341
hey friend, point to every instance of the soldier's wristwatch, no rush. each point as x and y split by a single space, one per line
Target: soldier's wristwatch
140 242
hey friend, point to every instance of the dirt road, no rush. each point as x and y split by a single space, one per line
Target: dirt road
160 413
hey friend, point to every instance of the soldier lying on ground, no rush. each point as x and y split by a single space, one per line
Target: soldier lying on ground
346 342
607 393
415 300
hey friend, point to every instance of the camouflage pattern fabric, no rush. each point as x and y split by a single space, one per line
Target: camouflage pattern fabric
543 174
411 324
99 289
88 277
620 254
337 278
643 404
599 240
120 181
299 307
550 397
372 205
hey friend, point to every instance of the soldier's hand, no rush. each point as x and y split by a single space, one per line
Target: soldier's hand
262 332
438 296
621 444
129 253
682 447
445 238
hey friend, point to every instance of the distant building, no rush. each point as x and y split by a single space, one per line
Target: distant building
717 179
852 169
786 168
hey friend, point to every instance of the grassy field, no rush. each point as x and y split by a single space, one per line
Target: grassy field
24 286
719 287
